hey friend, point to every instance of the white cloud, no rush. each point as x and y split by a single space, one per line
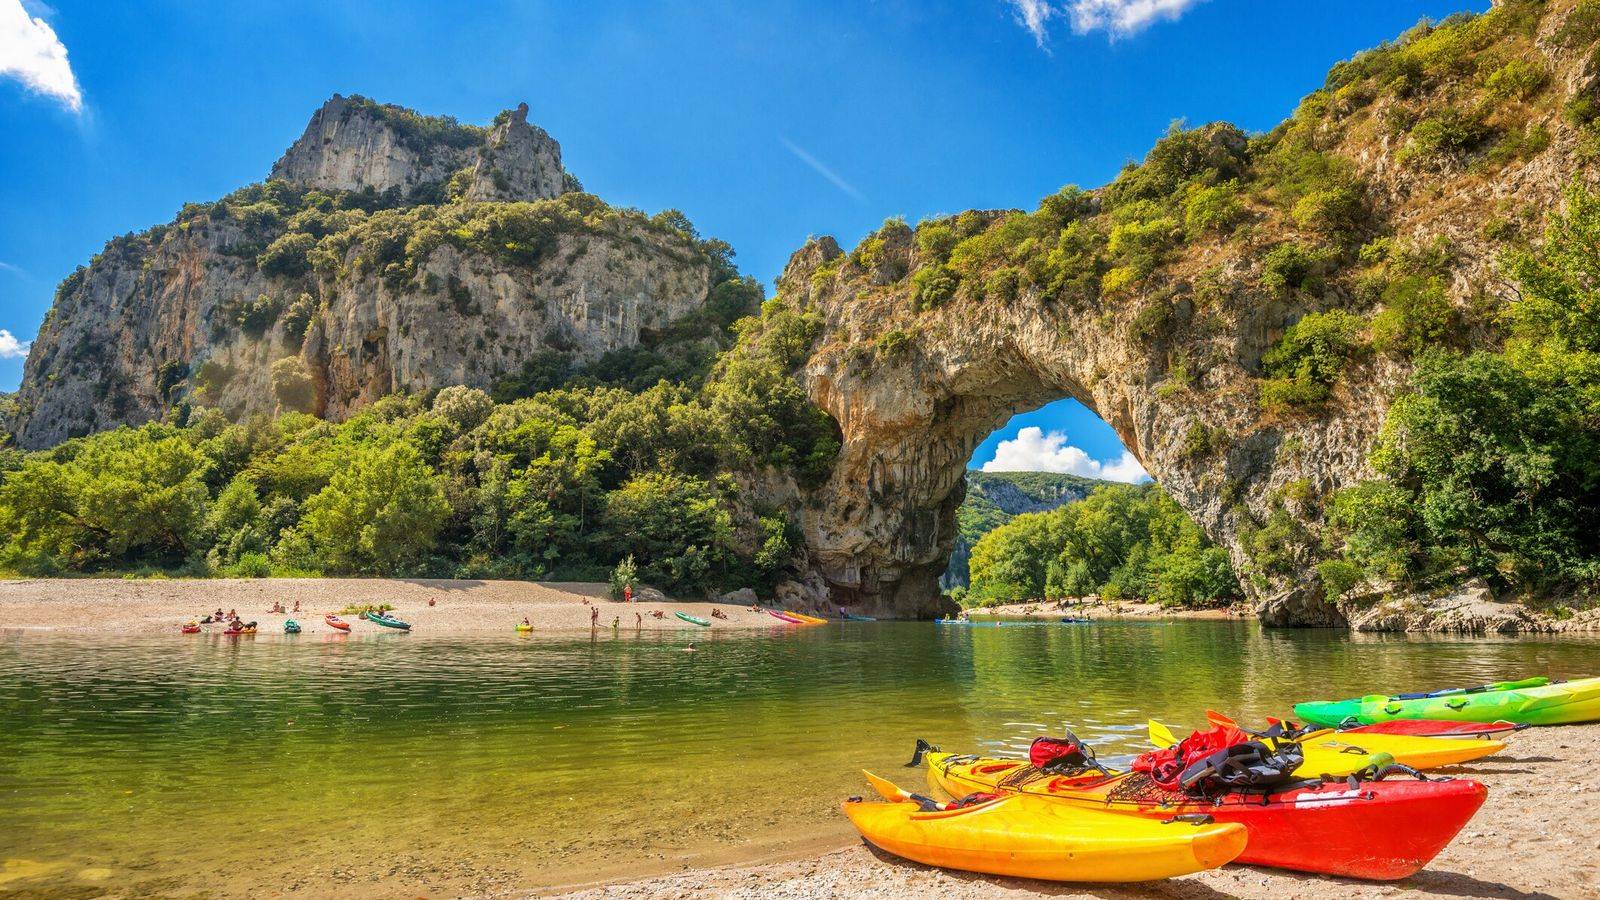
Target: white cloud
1122 17
1032 450
821 168
31 53
10 347
1035 15
1118 17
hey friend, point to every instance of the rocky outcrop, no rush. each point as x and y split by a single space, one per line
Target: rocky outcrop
224 309
354 144
1470 609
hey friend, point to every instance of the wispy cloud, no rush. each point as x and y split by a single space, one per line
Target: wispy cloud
1033 450
1035 15
1119 18
821 168
15 270
31 53
1122 17
10 347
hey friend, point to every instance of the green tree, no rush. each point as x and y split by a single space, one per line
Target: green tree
379 514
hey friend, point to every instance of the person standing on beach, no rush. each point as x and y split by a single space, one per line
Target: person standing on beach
638 620
627 593
594 617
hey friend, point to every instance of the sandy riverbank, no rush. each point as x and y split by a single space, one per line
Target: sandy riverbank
1536 837
158 606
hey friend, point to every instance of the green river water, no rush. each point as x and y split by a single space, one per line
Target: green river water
402 762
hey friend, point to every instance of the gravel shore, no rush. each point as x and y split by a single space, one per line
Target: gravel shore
1538 836
158 606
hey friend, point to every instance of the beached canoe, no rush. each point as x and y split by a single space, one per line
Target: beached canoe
290 626
521 626
852 617
693 620
1380 830
336 622
387 621
804 619
1029 837
1531 701
785 617
190 629
1339 753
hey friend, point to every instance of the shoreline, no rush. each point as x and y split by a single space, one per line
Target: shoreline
1051 610
1535 837
160 606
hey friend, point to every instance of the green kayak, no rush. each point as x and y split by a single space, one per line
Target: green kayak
1531 701
703 623
386 621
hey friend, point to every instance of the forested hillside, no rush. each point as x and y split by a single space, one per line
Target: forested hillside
995 498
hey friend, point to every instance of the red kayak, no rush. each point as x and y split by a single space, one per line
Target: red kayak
191 629
336 622
1379 830
783 616
1432 728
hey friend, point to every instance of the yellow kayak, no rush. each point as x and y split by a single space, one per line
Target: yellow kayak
809 620
1330 752
1030 837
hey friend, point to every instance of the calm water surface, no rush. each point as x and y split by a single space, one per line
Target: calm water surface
163 765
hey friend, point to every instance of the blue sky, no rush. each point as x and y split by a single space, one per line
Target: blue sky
766 122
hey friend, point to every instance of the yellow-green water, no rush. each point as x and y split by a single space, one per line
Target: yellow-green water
403 763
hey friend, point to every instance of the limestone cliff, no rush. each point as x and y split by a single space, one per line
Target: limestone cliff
384 254
354 144
1154 300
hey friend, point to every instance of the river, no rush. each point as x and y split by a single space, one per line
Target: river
165 765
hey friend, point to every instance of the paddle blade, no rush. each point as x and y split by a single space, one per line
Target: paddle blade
1216 718
1161 735
886 789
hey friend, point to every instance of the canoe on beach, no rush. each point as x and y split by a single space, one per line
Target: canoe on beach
1531 701
693 620
1032 837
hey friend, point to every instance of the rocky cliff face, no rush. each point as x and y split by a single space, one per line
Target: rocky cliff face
925 350
354 144
344 278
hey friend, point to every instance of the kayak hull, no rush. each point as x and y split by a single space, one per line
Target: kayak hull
1380 831
1433 728
336 623
694 620
783 617
1027 837
1340 753
1559 703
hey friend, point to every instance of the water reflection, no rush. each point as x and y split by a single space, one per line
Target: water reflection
537 760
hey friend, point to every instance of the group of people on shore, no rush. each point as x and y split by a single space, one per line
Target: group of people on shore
230 618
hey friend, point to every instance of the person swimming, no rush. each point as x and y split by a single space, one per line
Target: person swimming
691 648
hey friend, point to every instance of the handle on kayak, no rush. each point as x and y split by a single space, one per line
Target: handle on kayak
1191 819
1392 708
1456 703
